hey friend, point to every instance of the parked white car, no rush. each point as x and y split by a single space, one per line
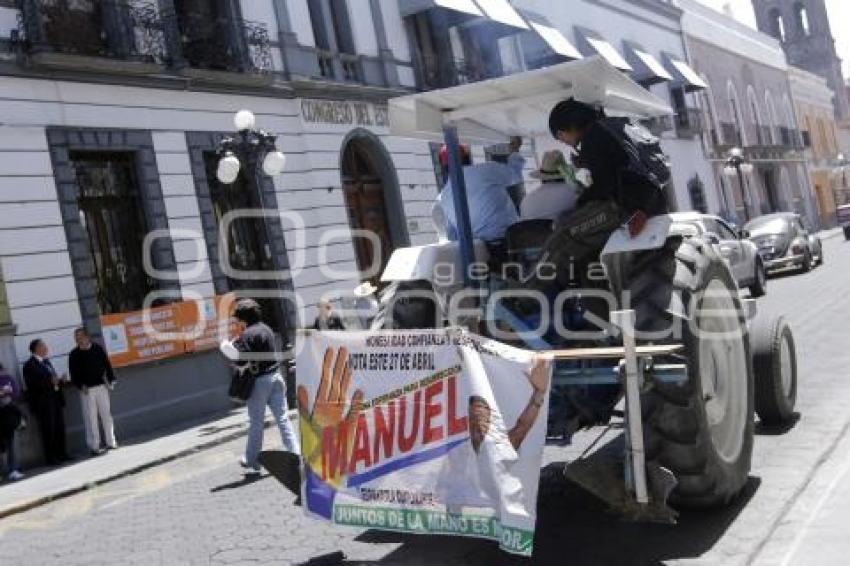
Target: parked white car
740 254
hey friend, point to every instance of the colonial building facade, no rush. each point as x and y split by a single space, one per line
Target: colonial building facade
110 115
748 104
813 102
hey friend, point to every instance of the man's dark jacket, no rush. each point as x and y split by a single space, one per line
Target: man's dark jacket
90 368
602 152
41 394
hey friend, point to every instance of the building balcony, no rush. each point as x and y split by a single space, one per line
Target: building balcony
222 44
437 73
127 36
54 30
688 123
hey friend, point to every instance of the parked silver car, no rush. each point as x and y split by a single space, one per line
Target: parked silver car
741 255
785 242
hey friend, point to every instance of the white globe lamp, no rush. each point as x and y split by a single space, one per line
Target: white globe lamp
228 169
274 163
244 120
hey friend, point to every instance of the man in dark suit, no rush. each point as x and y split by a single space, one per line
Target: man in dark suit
45 397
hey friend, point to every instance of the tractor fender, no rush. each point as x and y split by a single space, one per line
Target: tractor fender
657 230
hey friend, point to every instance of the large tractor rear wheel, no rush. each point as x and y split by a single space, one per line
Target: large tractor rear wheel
701 430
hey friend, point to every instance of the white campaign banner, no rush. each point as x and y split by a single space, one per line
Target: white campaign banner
422 431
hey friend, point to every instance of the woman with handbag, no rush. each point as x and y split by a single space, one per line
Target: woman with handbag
11 420
258 381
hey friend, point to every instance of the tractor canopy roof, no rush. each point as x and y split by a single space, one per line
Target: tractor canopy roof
491 111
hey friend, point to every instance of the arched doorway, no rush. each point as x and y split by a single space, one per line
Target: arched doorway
373 202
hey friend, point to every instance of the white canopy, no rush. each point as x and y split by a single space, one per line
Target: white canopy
491 111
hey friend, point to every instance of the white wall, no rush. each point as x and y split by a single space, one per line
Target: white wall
32 238
33 247
8 21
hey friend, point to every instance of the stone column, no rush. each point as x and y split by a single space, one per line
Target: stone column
298 61
385 54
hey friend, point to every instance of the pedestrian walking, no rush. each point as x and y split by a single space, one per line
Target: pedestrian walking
92 374
257 353
47 401
11 420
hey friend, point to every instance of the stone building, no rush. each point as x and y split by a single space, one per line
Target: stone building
802 27
748 105
813 102
110 115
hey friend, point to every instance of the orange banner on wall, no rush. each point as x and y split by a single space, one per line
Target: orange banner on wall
168 331
129 340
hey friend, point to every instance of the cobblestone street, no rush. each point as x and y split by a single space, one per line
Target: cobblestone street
199 510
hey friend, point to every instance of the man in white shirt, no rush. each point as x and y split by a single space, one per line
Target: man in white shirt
491 211
556 195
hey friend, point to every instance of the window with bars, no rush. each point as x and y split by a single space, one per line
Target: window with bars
111 214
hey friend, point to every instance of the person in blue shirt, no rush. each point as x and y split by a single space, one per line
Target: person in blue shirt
491 210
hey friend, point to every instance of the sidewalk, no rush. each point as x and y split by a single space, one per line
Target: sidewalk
813 531
43 485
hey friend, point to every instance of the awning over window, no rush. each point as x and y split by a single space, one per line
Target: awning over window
591 43
683 74
550 35
501 11
411 7
647 69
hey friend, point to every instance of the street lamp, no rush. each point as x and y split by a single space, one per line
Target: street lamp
738 165
255 150
250 147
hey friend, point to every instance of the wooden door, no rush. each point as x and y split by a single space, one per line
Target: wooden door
367 210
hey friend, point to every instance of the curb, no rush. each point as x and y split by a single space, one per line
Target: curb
65 493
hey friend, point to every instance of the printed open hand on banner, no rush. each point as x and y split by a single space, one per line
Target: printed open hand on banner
328 428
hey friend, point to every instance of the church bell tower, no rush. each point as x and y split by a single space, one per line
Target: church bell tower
803 28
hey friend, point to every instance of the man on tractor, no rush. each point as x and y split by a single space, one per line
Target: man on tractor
624 188
491 210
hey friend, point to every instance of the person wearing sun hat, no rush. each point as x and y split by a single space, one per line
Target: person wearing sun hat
365 303
556 195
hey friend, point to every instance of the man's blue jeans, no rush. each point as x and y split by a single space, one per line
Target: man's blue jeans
269 390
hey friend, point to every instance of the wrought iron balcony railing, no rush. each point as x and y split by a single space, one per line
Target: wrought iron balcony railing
138 30
435 72
222 44
121 29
